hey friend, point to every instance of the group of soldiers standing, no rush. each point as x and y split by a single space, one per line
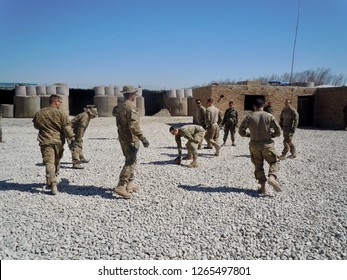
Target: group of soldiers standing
54 127
260 125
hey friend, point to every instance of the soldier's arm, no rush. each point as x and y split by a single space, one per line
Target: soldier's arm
67 128
295 119
179 144
281 120
243 128
236 118
134 120
36 125
276 127
224 117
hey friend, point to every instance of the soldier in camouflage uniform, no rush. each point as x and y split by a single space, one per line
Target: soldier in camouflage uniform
230 122
268 108
194 134
79 125
289 120
54 126
213 120
200 118
130 135
262 127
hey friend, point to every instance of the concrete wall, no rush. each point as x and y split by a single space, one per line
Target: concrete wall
328 103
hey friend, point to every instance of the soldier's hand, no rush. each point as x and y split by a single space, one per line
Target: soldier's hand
145 142
72 144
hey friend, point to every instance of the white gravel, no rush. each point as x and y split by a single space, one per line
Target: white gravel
211 212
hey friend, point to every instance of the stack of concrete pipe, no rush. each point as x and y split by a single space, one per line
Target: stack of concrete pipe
103 102
28 100
106 98
176 102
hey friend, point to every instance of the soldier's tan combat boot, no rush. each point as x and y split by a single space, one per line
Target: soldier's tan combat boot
193 164
282 157
121 190
77 166
54 189
187 157
132 187
84 160
274 183
292 156
262 189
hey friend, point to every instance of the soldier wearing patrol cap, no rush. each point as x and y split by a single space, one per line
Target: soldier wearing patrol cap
129 135
80 124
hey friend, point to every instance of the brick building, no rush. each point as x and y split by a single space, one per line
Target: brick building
318 107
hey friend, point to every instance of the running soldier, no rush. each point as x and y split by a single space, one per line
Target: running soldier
262 127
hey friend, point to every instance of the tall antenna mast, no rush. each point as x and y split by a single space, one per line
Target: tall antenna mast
296 34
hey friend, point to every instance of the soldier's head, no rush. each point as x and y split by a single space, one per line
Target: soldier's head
173 130
231 104
258 104
92 111
129 92
198 102
55 101
209 102
288 103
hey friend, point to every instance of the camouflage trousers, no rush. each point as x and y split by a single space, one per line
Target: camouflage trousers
127 173
260 151
212 135
51 155
288 142
77 152
193 147
228 127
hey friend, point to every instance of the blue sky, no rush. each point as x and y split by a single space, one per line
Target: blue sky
167 44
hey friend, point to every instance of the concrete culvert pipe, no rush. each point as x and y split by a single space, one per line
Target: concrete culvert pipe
41 90
171 93
20 90
30 90
109 91
99 90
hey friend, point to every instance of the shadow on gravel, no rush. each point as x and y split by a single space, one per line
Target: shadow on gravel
160 162
64 186
201 188
102 138
176 125
5 185
245 156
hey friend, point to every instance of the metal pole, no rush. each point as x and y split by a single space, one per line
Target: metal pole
296 34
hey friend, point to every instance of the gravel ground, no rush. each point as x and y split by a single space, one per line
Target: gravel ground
211 212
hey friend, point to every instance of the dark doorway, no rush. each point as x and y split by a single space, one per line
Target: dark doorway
80 98
153 101
305 110
249 101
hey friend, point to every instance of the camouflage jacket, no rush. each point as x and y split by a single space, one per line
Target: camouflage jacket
231 117
200 116
80 124
189 132
128 122
289 118
213 116
53 125
262 126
